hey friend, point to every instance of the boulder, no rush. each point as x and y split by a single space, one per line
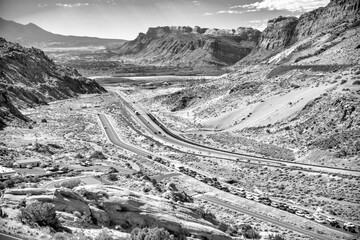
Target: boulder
132 209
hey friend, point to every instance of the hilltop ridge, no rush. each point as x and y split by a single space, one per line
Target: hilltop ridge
190 47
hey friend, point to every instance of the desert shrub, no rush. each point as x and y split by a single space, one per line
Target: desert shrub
150 234
40 214
79 156
356 82
112 177
104 235
249 232
61 236
276 237
97 155
44 120
9 183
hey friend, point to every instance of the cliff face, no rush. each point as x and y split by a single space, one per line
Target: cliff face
191 47
316 36
28 77
278 33
337 14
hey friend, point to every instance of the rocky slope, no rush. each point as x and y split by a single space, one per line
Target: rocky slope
316 37
111 206
28 78
191 47
32 35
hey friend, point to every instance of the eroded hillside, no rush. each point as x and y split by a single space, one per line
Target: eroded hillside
29 78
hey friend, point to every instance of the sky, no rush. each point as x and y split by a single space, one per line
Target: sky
124 19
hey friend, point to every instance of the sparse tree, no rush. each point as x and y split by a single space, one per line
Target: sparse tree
39 214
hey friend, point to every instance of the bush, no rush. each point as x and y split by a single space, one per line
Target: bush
9 183
97 155
112 177
39 214
276 237
150 234
104 235
251 234
61 236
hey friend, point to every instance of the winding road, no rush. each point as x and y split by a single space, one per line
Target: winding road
159 131
115 139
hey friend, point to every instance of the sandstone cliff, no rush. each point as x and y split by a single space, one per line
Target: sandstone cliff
191 47
28 78
315 38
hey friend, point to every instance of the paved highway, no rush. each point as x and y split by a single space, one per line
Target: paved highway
262 217
114 138
159 131
4 236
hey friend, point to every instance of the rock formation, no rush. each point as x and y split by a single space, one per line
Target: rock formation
290 40
191 47
114 206
28 78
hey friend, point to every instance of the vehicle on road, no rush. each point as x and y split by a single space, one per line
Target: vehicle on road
320 220
283 206
274 204
249 196
310 216
330 219
349 226
300 213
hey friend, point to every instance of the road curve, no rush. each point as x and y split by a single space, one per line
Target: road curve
262 217
114 138
153 126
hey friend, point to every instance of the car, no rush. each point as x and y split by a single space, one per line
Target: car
309 216
290 210
283 206
249 196
300 213
256 198
266 202
349 226
274 204
330 219
320 220
335 224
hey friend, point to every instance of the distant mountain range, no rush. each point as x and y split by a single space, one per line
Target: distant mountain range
32 35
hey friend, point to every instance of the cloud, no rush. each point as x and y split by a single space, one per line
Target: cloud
68 5
196 3
223 12
258 24
291 6
41 5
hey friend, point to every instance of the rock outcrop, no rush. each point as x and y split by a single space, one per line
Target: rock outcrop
315 33
28 78
114 206
278 33
191 47
337 14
